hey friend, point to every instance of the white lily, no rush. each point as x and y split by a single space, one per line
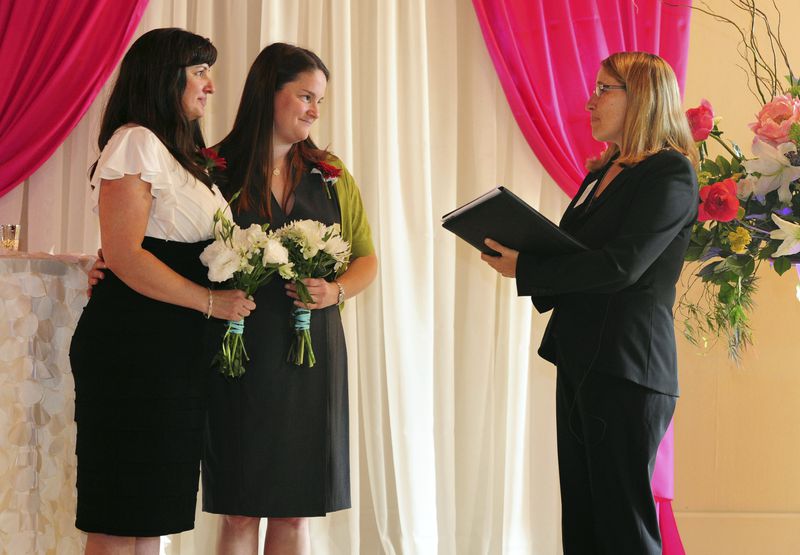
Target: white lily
790 234
777 173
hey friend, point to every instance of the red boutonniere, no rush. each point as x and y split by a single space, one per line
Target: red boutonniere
329 173
210 160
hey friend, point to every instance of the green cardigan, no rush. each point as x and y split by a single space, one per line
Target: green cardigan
355 227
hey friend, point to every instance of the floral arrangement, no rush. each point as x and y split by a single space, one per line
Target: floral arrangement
314 251
245 259
749 209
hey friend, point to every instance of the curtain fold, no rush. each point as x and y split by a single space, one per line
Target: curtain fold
546 55
56 57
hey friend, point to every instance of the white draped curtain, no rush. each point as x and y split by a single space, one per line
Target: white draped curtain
452 412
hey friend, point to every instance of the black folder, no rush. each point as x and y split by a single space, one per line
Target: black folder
503 216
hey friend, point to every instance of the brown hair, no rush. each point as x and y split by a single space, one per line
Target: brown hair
248 147
654 119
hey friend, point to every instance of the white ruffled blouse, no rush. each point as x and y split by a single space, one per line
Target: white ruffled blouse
183 207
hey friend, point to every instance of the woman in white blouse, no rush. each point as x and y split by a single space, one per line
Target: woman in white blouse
137 353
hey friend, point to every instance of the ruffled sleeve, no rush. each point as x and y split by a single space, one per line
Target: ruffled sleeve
135 150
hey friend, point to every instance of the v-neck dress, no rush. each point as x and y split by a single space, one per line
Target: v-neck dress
276 440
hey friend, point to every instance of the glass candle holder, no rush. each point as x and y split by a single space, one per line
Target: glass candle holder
9 236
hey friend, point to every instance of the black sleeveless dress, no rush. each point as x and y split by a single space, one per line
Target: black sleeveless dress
276 440
141 370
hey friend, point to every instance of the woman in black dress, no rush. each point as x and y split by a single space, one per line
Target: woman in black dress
139 377
276 443
612 333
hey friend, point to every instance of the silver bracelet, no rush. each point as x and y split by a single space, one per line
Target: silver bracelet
340 298
210 303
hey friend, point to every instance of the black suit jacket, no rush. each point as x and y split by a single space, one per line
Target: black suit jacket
613 303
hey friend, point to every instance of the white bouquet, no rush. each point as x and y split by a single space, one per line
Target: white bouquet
247 259
314 251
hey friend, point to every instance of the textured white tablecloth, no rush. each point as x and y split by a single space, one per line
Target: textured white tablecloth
41 299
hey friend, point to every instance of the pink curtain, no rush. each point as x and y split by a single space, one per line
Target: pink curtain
547 54
663 492
55 55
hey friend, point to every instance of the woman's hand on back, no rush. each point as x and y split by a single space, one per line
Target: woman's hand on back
96 273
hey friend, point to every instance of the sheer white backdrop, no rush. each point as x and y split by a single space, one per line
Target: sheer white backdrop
452 412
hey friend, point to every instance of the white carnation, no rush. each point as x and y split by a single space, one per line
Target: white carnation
309 235
287 271
338 248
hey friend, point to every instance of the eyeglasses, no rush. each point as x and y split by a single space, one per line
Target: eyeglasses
600 88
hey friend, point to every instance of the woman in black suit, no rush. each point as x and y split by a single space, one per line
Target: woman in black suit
611 334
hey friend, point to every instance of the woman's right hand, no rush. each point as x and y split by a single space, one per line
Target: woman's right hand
95 274
231 304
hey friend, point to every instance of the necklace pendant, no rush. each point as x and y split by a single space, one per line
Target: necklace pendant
276 171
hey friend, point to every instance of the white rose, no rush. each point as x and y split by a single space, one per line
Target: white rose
256 237
274 252
244 240
221 261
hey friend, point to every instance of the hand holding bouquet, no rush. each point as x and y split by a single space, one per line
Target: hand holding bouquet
314 251
246 259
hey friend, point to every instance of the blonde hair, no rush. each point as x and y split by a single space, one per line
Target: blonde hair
654 118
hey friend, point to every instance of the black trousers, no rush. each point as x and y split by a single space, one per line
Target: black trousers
609 430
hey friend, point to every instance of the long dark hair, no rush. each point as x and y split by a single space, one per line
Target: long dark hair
148 92
248 147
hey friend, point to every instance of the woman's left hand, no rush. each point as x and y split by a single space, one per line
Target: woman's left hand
323 293
506 263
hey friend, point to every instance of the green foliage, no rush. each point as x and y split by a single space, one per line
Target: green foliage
781 265
794 130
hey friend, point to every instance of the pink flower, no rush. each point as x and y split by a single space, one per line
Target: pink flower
718 202
776 118
701 120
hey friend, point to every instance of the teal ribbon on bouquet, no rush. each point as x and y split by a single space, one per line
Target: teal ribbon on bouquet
301 344
232 356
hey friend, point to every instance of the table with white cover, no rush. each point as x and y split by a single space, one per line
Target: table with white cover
41 299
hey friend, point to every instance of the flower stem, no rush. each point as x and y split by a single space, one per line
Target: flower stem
725 145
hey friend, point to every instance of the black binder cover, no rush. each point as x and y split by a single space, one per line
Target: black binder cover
503 216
